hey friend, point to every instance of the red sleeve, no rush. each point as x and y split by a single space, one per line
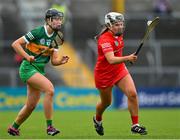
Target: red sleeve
106 45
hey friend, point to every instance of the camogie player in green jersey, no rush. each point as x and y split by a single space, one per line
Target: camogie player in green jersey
32 70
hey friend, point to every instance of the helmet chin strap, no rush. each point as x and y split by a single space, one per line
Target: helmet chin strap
55 30
116 34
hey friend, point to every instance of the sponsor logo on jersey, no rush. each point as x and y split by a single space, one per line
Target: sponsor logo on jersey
106 45
48 41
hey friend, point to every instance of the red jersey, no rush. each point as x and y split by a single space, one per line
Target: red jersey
107 74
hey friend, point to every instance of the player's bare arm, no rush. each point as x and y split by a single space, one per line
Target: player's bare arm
116 60
56 60
17 46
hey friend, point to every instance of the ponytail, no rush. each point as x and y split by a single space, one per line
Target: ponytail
103 30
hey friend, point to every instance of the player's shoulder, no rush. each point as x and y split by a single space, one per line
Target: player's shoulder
38 29
106 36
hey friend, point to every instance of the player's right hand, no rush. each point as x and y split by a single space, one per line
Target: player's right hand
31 58
132 58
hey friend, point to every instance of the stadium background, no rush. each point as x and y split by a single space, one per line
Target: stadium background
156 73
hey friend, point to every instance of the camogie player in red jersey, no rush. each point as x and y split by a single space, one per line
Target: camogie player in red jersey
110 70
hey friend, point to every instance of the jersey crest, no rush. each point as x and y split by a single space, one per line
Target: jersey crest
116 43
42 41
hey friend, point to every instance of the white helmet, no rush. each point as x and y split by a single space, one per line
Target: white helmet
113 17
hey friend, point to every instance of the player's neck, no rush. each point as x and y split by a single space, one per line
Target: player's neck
110 31
49 29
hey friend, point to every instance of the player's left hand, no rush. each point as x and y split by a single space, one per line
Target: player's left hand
64 59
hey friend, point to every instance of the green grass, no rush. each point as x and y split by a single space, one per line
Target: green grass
161 124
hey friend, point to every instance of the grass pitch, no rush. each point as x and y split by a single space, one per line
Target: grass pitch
160 123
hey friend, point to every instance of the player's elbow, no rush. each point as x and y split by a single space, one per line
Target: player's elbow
54 62
14 44
111 61
18 43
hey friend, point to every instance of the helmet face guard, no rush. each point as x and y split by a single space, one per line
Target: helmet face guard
112 18
53 14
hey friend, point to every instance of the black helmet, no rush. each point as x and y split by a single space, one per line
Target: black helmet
50 13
